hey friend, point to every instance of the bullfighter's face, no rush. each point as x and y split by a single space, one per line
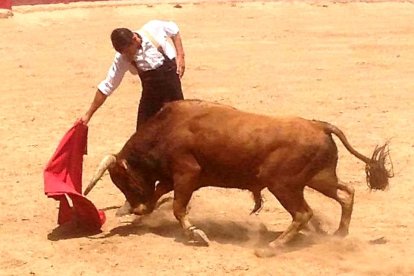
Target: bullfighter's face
129 52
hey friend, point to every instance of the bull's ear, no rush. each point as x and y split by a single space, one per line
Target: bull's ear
124 164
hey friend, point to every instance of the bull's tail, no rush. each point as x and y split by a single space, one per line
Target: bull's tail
377 174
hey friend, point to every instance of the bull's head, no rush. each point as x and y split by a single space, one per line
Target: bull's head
129 180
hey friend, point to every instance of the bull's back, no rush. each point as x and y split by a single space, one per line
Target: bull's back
225 139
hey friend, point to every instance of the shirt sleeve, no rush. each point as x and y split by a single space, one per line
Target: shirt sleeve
161 28
115 75
170 28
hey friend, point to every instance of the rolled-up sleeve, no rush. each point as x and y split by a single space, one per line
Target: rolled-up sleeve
161 28
115 75
170 28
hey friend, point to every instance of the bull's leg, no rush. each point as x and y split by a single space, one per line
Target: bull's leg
258 201
294 202
186 179
326 182
346 199
161 189
181 200
314 225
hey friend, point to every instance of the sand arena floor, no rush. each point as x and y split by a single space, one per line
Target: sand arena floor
351 64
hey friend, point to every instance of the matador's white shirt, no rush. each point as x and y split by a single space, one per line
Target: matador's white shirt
148 57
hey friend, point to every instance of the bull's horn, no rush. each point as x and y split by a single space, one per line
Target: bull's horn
106 162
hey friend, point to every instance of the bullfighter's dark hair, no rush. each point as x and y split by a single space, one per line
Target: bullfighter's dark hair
121 38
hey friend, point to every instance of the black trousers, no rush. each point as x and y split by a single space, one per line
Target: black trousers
158 87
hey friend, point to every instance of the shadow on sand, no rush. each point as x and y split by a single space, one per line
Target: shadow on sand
220 231
71 230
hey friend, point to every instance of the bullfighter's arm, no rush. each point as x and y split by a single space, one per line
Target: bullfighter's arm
98 100
176 39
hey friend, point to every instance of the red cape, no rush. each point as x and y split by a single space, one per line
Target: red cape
63 180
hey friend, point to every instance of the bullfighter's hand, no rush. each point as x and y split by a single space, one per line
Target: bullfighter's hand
180 66
84 119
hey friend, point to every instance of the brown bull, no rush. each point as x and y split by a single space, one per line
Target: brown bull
193 144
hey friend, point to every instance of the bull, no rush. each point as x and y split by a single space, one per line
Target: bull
192 144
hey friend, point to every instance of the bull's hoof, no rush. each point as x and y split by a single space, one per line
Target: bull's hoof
163 201
341 233
265 252
198 237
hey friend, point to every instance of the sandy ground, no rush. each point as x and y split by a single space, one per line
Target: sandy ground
351 64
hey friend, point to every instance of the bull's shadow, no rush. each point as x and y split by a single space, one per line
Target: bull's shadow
220 231
163 224
140 226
